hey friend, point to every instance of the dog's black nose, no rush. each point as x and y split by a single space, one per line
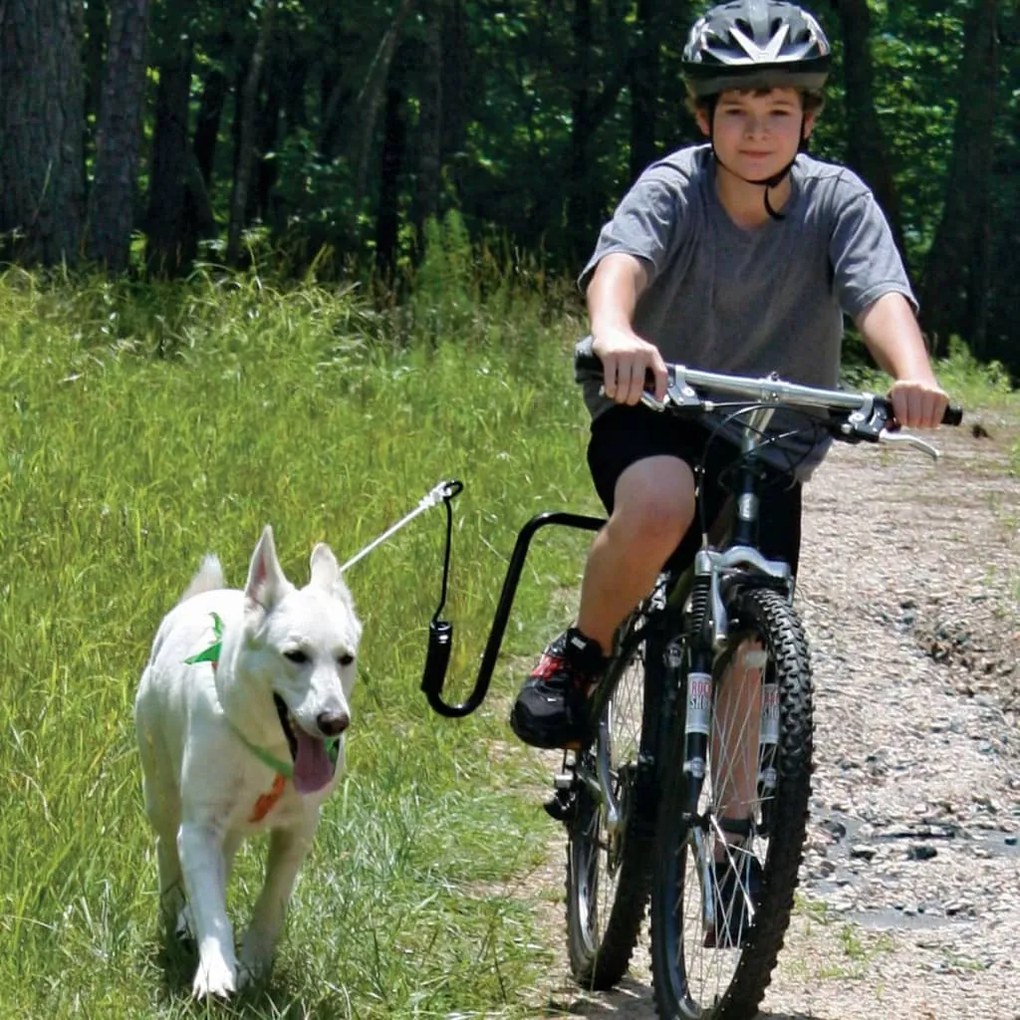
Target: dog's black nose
333 723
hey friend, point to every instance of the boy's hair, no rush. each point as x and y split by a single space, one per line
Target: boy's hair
812 100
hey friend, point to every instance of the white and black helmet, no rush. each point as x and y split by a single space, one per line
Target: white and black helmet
752 44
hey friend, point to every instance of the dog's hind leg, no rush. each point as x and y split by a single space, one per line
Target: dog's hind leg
163 809
287 849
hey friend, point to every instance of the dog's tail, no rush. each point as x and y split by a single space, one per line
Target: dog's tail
209 578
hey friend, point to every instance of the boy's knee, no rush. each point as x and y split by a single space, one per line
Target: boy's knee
655 512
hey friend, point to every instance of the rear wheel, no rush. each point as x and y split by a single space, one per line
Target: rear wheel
725 873
609 861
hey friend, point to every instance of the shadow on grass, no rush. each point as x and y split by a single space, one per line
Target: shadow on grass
281 996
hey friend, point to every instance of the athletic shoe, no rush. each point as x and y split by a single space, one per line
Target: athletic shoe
551 708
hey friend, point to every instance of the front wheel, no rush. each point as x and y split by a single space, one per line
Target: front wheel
726 868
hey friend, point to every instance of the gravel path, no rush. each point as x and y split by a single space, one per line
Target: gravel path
910 888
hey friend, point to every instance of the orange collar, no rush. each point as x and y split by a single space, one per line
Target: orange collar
266 801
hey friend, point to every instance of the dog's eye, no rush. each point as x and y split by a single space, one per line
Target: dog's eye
296 656
345 660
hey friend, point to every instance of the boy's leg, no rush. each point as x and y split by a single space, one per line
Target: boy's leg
735 738
639 461
738 708
652 510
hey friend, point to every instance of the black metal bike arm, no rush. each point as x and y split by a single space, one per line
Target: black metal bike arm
437 658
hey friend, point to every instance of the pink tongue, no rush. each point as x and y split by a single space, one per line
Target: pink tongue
312 766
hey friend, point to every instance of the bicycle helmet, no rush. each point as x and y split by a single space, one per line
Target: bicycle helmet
752 44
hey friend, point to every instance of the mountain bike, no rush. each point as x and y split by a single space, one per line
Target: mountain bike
693 792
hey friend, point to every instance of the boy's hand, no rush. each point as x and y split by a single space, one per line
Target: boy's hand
918 404
627 361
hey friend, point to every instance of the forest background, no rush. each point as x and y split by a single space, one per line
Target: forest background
146 137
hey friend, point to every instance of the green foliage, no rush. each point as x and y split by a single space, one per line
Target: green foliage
444 293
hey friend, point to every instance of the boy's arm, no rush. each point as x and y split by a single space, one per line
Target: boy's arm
894 339
619 280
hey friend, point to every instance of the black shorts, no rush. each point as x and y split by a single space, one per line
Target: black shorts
626 434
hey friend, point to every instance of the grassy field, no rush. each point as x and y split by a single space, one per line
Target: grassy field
141 430
144 427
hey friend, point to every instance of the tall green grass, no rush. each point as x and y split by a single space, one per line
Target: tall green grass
143 427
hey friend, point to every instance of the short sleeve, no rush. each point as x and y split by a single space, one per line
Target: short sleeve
645 224
865 261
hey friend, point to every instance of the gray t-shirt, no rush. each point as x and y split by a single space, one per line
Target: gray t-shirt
770 299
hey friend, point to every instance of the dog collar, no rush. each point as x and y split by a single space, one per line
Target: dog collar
281 768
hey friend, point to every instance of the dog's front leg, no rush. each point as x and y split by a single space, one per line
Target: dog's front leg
201 853
288 847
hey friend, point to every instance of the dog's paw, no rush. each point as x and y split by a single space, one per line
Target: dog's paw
215 978
256 958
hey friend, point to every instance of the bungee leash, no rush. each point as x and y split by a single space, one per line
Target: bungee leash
444 491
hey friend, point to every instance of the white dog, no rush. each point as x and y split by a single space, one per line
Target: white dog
240 718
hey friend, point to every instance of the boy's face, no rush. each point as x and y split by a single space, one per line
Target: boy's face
757 133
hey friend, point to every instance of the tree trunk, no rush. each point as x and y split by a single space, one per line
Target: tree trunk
42 181
370 98
387 222
456 64
118 139
953 274
582 126
645 85
215 89
93 57
246 137
867 152
430 120
170 247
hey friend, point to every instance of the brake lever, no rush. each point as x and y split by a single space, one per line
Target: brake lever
871 423
907 439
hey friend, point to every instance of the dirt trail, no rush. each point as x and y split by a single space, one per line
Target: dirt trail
909 903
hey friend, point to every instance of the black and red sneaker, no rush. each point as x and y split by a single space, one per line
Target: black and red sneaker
551 708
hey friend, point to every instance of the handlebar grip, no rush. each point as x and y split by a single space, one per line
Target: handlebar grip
953 415
588 363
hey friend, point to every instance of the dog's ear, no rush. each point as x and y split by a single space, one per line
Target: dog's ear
266 581
326 574
324 567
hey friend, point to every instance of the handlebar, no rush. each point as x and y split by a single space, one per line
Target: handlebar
856 417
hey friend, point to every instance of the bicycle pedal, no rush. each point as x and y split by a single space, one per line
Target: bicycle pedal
563 780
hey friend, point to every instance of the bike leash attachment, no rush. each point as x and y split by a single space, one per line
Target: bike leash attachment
437 656
444 491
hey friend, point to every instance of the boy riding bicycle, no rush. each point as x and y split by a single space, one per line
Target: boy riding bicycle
741 255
